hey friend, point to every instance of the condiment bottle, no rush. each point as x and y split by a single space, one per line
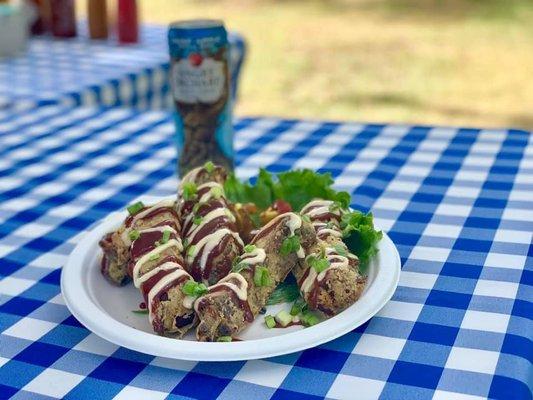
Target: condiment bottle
63 18
97 12
128 24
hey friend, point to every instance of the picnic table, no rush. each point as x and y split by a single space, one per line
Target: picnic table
84 72
456 201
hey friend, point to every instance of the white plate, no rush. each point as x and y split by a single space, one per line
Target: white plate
106 310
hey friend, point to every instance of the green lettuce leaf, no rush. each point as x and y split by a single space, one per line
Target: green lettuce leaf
260 193
360 236
296 187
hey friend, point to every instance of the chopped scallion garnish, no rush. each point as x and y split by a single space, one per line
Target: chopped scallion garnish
134 234
309 319
189 190
217 192
135 208
270 322
239 267
249 248
261 276
340 249
224 339
197 220
209 167
154 257
284 318
319 264
298 306
166 237
290 245
190 250
194 289
306 218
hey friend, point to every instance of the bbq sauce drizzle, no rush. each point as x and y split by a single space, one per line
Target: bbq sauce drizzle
208 230
168 270
235 283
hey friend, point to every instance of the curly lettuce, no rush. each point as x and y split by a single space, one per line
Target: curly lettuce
360 236
296 187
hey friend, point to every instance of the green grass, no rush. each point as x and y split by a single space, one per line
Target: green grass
451 62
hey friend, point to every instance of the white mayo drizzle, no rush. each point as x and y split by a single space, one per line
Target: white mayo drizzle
307 284
208 243
335 261
209 194
167 203
319 207
167 279
139 280
190 176
329 231
217 212
257 256
158 250
241 290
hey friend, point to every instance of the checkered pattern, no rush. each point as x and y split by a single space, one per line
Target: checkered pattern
93 72
457 202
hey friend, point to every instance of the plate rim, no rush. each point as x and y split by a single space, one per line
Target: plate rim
105 326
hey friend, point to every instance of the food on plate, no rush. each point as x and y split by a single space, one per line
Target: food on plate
235 301
115 245
209 229
156 267
225 250
328 278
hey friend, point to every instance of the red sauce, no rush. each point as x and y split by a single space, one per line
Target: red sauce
223 265
266 230
152 214
144 244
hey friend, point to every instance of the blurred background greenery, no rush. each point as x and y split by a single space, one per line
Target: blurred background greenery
460 62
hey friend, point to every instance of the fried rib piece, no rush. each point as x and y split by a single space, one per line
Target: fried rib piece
235 301
340 284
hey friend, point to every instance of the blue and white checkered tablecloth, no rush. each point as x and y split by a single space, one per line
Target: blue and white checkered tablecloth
97 73
457 202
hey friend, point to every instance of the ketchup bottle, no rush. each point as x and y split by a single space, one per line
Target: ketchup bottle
63 20
127 21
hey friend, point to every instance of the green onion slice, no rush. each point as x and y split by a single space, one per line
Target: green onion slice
224 339
134 234
197 220
189 190
194 289
154 257
290 245
166 237
270 322
209 167
339 248
319 264
249 248
217 192
135 208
